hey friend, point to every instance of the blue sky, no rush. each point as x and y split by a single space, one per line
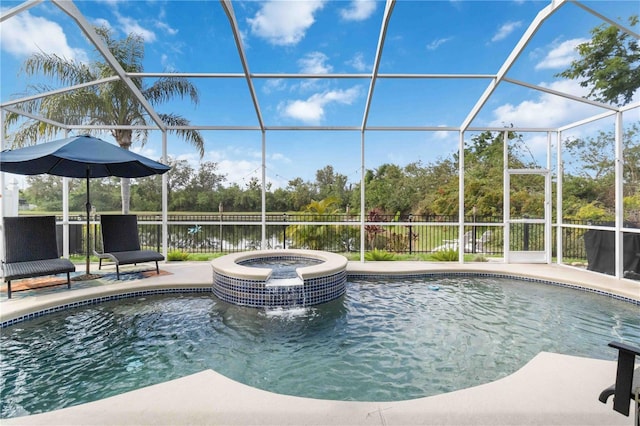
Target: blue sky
331 37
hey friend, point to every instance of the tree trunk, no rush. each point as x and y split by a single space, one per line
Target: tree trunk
125 191
123 137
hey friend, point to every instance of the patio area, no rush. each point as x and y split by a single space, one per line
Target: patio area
550 389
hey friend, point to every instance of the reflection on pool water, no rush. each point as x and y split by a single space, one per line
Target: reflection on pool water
383 340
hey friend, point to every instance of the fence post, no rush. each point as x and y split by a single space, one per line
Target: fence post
220 211
284 231
474 211
410 235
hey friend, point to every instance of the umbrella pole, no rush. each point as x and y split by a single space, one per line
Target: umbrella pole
88 207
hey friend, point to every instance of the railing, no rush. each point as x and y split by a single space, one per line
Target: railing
411 234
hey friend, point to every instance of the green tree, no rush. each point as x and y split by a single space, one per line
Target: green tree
44 192
278 201
105 195
203 186
146 194
437 187
301 193
331 184
591 165
110 103
390 189
609 64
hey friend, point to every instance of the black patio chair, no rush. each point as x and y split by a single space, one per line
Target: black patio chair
121 243
31 249
627 385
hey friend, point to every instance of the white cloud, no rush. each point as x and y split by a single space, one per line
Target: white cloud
311 110
239 166
130 25
443 134
24 34
166 28
545 111
280 157
239 171
315 63
437 43
357 62
146 151
561 55
284 22
505 30
274 85
167 62
101 22
163 25
358 10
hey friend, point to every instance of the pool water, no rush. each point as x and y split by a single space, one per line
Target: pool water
280 267
383 340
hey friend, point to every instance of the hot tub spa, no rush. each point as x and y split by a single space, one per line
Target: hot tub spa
251 278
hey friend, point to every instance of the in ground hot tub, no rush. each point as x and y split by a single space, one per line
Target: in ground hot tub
246 279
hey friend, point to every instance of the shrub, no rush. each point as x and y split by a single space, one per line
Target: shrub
378 255
177 255
449 255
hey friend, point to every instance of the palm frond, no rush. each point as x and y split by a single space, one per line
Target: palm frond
63 70
167 88
194 137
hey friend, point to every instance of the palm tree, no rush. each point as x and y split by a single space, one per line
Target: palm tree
313 237
108 104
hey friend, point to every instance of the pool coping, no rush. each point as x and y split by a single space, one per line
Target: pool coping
550 389
198 277
228 265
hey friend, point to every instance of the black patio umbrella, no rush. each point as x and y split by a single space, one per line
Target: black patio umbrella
79 157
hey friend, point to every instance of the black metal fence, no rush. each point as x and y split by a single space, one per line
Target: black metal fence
411 234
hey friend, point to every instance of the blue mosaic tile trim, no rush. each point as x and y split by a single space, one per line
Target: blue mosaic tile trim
255 293
496 275
98 300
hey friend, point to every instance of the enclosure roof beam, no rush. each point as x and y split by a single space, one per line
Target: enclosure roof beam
604 18
228 8
376 63
18 9
508 63
35 117
562 94
58 91
307 75
70 9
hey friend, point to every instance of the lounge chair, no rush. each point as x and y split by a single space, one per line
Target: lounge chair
121 243
31 249
453 244
627 385
482 242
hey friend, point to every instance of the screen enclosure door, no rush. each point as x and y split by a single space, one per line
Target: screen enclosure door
527 216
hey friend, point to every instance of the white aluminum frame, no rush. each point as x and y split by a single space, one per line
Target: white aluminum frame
69 8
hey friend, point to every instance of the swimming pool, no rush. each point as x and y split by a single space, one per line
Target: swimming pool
384 340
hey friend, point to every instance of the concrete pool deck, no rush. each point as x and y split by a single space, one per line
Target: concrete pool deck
550 389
